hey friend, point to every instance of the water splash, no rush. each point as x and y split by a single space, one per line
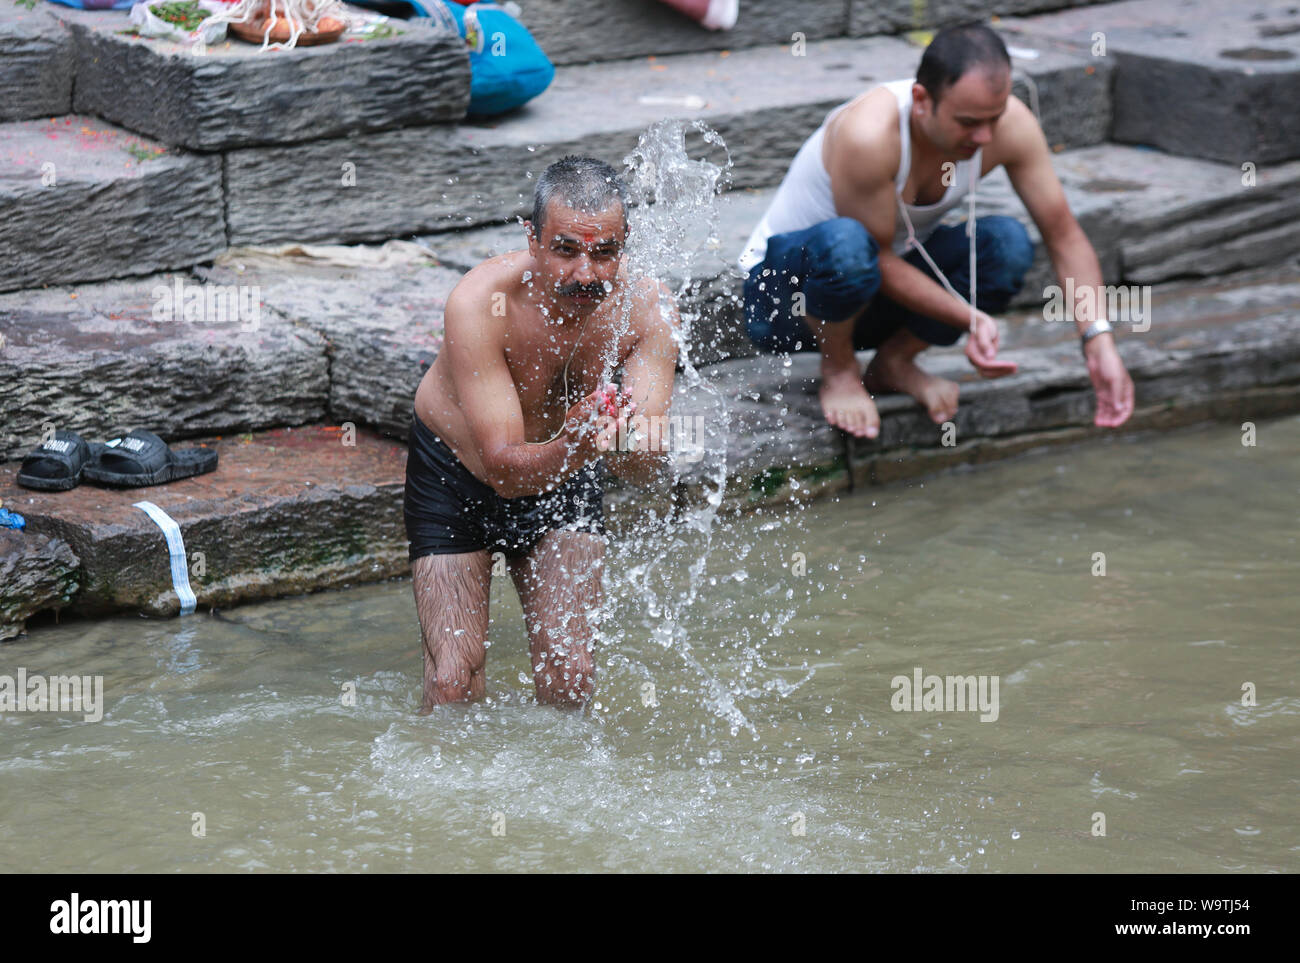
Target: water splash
673 228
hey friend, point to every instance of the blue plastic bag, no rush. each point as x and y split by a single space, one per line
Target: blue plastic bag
507 67
99 4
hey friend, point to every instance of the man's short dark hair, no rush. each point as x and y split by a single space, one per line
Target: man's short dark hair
581 184
955 50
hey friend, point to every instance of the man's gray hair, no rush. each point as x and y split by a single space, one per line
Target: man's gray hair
581 184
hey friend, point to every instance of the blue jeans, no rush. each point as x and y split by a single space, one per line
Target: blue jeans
835 267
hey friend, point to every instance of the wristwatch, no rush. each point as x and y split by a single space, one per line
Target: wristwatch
1100 326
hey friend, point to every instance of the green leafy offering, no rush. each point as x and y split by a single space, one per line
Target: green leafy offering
142 153
186 14
383 30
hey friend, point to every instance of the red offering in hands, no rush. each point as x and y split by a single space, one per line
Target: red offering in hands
611 400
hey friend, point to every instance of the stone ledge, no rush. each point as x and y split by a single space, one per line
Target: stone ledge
37 64
765 106
36 573
235 96
286 511
97 361
1205 342
1194 77
82 200
586 31
378 324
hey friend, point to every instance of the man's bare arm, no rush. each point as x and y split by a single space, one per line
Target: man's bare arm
473 341
648 373
1029 165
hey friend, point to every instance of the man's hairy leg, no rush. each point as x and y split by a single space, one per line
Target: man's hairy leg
894 368
559 585
844 400
451 598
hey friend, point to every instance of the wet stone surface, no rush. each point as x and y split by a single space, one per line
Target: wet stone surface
286 511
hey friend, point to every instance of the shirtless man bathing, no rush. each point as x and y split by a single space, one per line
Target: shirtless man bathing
508 443
835 234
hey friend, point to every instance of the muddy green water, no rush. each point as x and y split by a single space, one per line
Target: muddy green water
773 744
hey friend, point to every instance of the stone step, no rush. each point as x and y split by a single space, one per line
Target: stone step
234 95
285 512
234 351
765 102
342 336
1150 216
36 573
1214 351
587 31
37 63
381 324
293 510
1156 217
82 200
1196 77
102 359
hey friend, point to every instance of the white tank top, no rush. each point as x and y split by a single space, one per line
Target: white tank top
804 197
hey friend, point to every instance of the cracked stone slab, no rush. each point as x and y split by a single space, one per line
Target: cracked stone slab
1206 344
235 95
287 511
425 179
1194 77
1156 217
296 510
870 17
586 31
103 359
82 200
37 572
1151 217
36 64
380 325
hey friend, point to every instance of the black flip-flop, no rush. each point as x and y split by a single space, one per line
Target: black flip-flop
58 464
142 458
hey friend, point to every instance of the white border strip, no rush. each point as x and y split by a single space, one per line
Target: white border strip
176 549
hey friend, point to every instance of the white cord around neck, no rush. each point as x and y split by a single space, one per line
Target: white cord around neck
572 351
913 241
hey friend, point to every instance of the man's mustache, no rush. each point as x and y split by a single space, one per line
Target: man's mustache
594 290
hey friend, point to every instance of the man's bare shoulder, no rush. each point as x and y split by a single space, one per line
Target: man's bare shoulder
475 294
863 138
652 305
1018 136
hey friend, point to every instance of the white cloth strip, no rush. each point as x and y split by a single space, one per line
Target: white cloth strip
176 549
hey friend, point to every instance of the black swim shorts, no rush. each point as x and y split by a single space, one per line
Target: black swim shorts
448 510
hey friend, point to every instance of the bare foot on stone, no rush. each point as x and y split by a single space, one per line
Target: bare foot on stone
937 395
845 401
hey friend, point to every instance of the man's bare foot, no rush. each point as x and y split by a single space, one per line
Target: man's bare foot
888 372
845 402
